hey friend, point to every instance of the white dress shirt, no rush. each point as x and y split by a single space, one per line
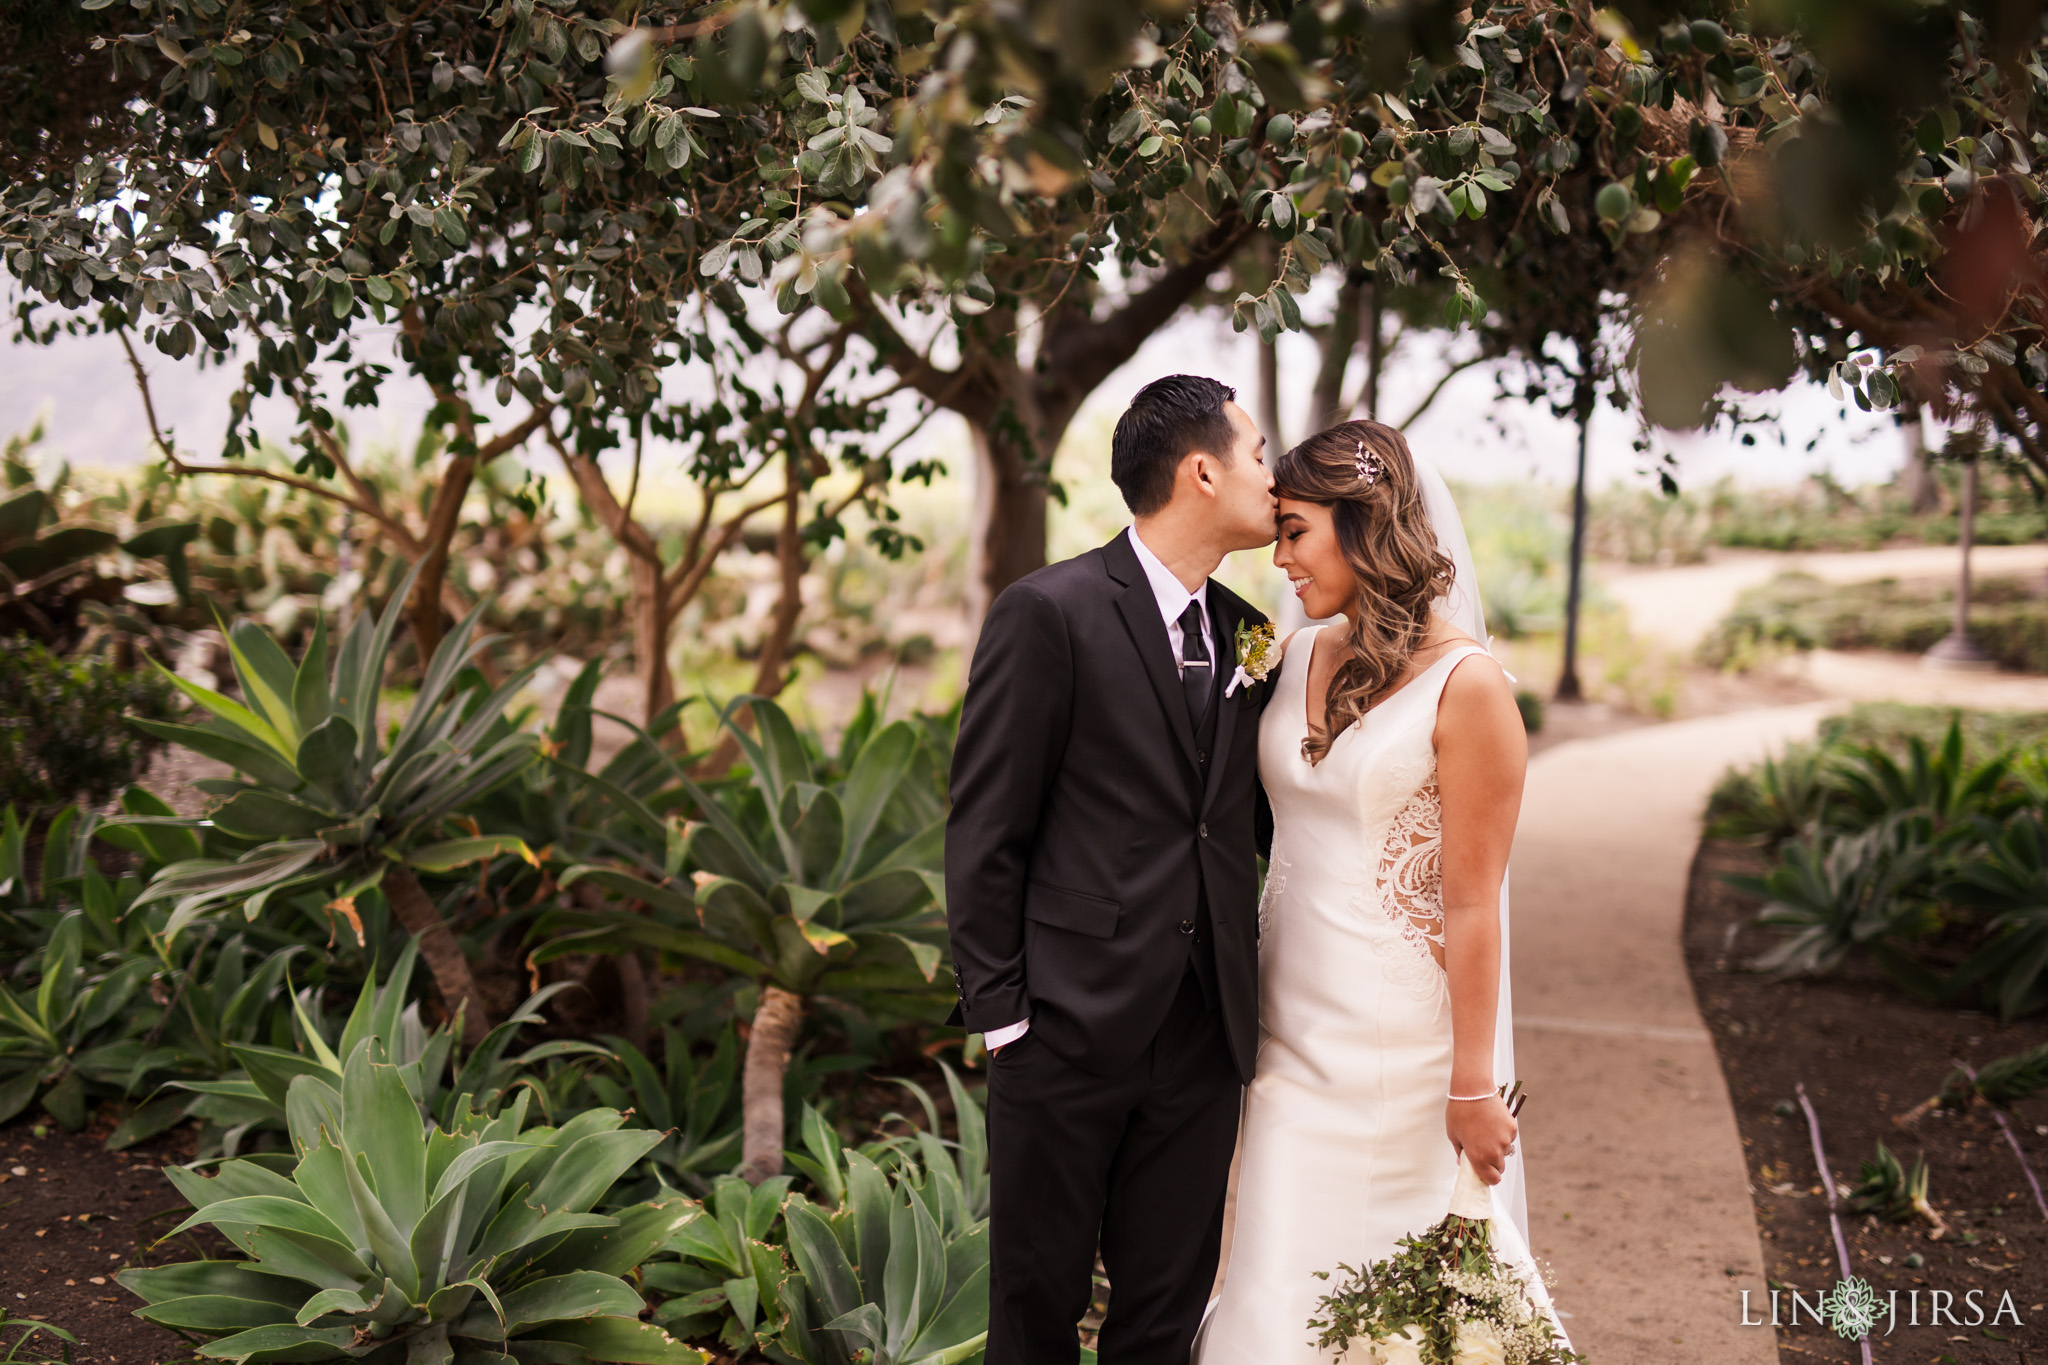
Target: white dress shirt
1173 598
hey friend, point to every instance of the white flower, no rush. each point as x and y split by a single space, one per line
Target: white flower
1403 1348
1479 1343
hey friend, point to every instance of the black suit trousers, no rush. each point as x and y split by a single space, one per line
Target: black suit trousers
1137 1160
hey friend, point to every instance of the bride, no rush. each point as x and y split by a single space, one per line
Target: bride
1393 754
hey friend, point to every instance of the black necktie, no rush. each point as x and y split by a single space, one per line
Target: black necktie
1197 672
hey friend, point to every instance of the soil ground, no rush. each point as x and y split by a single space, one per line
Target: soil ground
72 1216
1866 1052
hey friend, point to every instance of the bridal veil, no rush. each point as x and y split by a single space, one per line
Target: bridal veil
1463 608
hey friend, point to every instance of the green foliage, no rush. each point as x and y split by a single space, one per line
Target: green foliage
817 877
100 1007
58 565
1784 796
61 732
2006 881
1891 726
389 1240
73 1032
1888 1190
253 1085
731 1274
327 801
895 1275
1796 611
1645 526
1445 1296
1530 705
694 1103
18 1352
1859 891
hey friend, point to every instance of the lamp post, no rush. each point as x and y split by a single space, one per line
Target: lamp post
1956 651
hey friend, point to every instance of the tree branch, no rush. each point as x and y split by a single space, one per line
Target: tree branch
1082 352
1437 388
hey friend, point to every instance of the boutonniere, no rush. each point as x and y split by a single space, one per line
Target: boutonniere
1254 656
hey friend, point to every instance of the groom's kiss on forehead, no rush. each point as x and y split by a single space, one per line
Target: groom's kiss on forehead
1216 498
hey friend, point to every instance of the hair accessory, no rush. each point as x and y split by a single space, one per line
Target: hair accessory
1368 465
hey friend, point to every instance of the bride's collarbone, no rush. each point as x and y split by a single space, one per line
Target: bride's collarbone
1325 658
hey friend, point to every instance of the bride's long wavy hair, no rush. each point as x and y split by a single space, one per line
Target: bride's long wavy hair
1398 571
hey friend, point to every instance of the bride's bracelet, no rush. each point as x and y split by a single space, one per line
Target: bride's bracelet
1489 1095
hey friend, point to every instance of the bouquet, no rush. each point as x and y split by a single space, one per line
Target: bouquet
1445 1297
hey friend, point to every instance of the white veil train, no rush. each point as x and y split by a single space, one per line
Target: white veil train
1463 608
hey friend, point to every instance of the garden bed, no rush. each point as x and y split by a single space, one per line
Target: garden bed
76 1217
1865 1053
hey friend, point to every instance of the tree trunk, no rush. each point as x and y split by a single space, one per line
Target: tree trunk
1568 688
771 676
443 954
650 640
769 1044
1375 352
1269 393
1010 507
1340 339
1923 494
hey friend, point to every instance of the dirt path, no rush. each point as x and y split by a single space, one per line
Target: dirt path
1638 1190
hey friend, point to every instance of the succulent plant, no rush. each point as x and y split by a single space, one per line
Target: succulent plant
395 1241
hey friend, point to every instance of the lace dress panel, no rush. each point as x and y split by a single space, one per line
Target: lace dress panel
1411 871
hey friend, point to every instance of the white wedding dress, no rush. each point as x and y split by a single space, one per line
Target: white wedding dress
1343 1150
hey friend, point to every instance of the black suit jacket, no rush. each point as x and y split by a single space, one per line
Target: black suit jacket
1082 835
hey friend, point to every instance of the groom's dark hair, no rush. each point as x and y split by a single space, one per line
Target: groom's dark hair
1168 420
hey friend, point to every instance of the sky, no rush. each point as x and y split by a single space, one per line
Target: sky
83 389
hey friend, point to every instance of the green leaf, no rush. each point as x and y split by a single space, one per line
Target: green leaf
454 853
267 679
272 1343
258 762
383 1126
265 1211
578 1294
215 1313
626 1339
327 757
232 713
263 815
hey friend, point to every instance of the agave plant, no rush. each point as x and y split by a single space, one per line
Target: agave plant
437 1074
694 1104
1941 782
731 1274
1842 893
75 1030
327 804
896 1276
1893 1193
1783 797
398 1243
2006 879
806 883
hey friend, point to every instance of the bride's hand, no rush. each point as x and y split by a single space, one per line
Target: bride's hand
1484 1131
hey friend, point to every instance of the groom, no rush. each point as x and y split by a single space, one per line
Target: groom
1101 887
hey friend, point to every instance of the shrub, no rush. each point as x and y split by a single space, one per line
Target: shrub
1799 612
393 1241
1530 704
61 733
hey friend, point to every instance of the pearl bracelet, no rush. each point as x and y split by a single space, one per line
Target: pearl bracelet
1489 1095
